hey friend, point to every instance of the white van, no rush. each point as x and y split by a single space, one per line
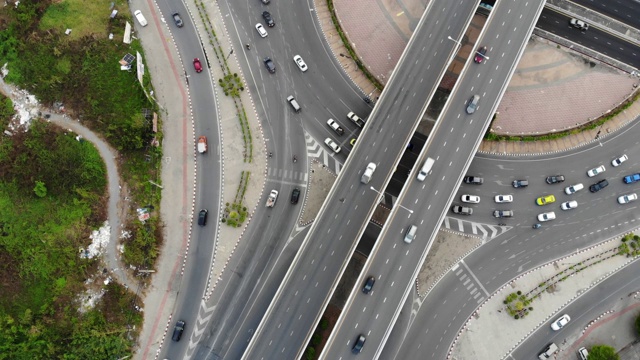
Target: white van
294 104
140 17
368 173
548 351
425 169
411 234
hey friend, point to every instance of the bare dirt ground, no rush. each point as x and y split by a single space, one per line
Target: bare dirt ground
447 249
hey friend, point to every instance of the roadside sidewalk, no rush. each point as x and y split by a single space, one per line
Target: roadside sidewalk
567 286
586 137
178 169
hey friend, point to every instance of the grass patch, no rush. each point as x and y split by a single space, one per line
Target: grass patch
52 187
40 233
84 74
85 18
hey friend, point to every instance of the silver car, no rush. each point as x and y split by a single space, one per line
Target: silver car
332 144
472 105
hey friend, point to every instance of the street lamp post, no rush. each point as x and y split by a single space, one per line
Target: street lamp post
455 41
381 194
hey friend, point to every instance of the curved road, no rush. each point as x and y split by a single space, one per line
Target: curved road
597 218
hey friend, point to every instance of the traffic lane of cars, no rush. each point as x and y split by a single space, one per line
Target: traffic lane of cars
468 197
270 64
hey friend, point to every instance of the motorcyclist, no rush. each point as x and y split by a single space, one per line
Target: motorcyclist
294 158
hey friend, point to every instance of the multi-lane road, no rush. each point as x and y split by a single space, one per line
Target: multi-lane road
324 92
452 144
331 241
595 39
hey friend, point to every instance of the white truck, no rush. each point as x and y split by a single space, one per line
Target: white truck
271 200
356 119
202 144
335 126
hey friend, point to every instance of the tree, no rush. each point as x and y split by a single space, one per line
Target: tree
603 352
40 190
638 325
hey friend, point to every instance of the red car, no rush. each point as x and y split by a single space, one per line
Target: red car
197 65
480 54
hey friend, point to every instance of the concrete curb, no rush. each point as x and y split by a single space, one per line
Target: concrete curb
552 313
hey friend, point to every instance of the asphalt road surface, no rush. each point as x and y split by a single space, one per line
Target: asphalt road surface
594 38
582 311
208 185
333 237
626 11
437 319
323 91
452 144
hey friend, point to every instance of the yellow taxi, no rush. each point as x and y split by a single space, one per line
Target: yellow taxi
544 200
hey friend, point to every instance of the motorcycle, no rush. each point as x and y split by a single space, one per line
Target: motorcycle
537 226
294 158
248 47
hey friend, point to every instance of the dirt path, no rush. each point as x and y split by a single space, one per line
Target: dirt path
116 197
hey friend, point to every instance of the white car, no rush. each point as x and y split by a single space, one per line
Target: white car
472 199
368 173
573 189
500 199
332 144
560 322
568 205
620 160
140 18
593 172
546 216
301 64
625 199
261 30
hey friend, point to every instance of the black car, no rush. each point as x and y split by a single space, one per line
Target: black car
461 210
520 183
359 344
295 195
599 186
268 19
202 217
368 285
268 63
177 19
473 180
178 330
555 179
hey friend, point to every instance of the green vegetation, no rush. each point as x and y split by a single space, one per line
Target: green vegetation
53 187
82 72
603 352
235 214
561 134
630 245
350 50
637 324
231 84
517 304
41 273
